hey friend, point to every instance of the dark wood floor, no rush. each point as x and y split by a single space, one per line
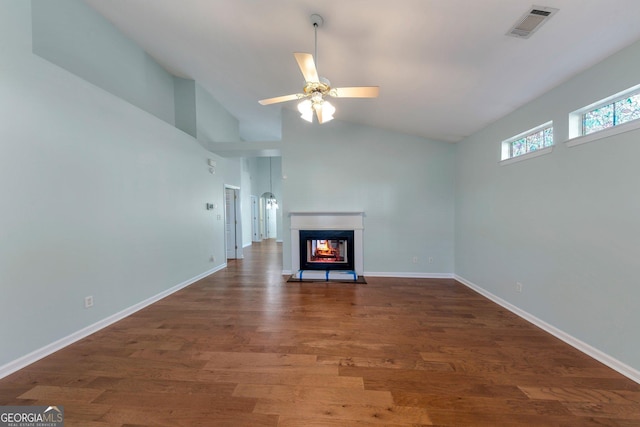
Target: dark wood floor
244 348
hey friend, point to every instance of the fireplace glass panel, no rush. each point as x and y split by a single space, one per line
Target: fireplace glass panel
332 250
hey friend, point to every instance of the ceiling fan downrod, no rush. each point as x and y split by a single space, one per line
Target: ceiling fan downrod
317 22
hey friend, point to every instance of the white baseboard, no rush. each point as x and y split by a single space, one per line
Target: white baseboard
613 363
410 275
48 349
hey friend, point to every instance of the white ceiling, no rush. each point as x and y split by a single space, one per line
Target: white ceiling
445 68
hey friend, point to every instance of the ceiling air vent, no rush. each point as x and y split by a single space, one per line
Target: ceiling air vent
531 21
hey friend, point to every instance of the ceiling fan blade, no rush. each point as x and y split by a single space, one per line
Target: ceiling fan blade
319 114
357 92
307 66
277 99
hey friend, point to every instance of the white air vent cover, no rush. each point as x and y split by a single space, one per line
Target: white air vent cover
531 21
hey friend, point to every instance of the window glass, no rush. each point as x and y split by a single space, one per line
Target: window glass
537 139
613 114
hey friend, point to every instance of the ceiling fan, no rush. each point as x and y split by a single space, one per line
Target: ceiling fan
316 88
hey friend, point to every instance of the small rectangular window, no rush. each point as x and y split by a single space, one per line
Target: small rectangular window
527 142
611 114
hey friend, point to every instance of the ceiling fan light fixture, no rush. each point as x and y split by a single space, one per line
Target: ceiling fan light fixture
306 110
327 111
304 106
308 116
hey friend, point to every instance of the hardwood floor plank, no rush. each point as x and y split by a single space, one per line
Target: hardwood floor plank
243 347
84 414
177 400
175 416
297 394
58 393
89 423
282 378
582 395
143 386
346 413
488 419
298 421
301 370
479 404
239 360
604 410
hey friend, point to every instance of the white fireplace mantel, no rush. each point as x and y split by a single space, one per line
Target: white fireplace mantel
327 221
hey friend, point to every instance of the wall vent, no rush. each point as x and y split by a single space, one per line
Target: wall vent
531 21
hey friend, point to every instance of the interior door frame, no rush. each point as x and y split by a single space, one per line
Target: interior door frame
255 220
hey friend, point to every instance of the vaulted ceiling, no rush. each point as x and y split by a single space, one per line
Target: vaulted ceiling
445 68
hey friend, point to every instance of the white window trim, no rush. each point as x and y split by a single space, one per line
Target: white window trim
527 156
506 144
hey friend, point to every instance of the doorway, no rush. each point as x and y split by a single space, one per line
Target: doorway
233 229
269 206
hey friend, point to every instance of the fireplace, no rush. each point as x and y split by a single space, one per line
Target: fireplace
341 230
327 250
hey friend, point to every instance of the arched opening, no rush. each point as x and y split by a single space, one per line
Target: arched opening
268 215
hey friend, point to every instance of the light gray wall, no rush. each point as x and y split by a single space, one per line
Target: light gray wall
99 198
214 122
74 36
248 172
564 224
185 105
403 183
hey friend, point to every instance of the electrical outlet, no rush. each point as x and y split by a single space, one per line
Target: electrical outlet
213 258
430 260
88 302
519 286
415 260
